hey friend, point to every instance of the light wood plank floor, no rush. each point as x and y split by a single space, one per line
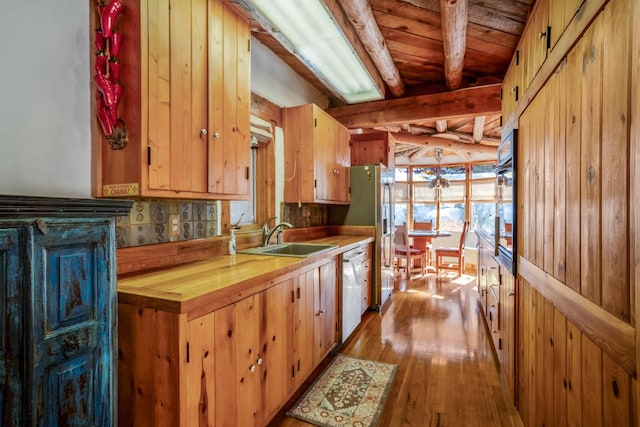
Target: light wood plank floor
432 330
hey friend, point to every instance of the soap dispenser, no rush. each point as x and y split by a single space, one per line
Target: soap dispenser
232 242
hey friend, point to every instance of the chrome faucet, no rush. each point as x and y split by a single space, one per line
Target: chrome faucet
276 227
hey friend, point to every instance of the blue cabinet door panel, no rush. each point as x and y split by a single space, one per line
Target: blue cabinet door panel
73 324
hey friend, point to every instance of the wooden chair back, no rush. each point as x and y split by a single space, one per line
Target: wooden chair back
463 236
422 242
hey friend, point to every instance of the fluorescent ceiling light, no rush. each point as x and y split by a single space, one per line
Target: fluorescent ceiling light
309 31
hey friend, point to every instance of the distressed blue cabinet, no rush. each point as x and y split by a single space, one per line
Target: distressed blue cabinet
57 311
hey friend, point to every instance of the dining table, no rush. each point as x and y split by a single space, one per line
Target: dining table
428 233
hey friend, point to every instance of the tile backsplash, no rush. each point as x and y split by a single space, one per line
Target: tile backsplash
161 221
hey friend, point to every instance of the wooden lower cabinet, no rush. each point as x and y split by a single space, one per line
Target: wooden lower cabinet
233 366
497 292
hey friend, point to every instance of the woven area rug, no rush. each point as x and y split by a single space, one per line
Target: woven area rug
350 392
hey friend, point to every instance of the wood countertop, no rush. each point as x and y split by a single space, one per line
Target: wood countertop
200 287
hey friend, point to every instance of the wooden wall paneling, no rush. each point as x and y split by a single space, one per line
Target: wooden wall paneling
538 371
540 106
521 356
573 92
559 136
616 394
547 355
591 382
531 351
524 178
634 191
560 351
590 162
616 296
614 336
266 182
550 119
574 374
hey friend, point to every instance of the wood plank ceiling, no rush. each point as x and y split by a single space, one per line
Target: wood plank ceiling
442 72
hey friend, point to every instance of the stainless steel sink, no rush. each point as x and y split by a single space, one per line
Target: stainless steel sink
300 250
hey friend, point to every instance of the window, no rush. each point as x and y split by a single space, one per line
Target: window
471 196
243 212
401 195
483 196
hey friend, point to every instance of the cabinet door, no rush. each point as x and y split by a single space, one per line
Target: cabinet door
324 145
229 101
303 315
237 372
12 284
177 95
274 349
72 337
342 162
325 305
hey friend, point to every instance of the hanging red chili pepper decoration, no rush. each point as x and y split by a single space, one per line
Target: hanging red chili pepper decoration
108 43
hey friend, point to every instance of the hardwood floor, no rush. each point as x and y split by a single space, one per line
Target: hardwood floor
432 330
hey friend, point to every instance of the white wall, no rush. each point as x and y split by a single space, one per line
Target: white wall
45 118
276 81
45 137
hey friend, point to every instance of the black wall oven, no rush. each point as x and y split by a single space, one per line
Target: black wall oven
506 219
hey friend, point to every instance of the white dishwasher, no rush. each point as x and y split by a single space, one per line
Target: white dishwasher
351 290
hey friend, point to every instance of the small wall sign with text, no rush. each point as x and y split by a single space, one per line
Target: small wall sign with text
121 190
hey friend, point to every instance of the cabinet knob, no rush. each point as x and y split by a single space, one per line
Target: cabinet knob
320 313
203 132
252 368
542 34
216 135
259 361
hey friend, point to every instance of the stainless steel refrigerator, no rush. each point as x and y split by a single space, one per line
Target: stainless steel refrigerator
372 204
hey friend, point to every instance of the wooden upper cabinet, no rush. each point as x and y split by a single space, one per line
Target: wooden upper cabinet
511 87
534 41
317 156
373 148
185 103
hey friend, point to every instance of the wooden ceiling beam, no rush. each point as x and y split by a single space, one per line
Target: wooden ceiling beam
478 128
453 15
361 16
469 102
445 144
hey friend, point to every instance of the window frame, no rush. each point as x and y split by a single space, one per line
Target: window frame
467 200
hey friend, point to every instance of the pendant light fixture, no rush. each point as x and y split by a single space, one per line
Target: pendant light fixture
439 182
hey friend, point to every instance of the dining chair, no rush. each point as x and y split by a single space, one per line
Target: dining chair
403 250
423 242
458 253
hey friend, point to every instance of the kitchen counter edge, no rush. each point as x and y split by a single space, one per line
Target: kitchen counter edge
200 287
